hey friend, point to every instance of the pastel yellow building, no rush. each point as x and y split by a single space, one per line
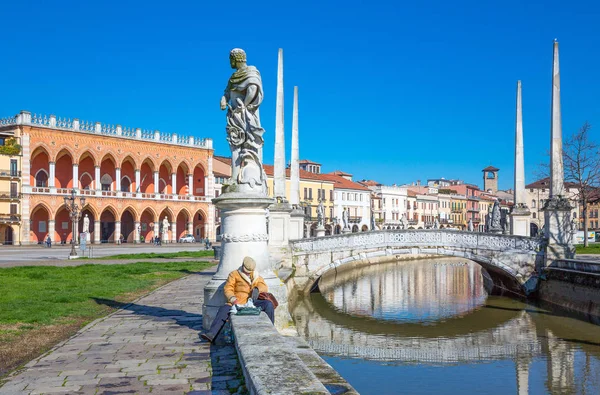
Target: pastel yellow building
313 187
458 204
10 187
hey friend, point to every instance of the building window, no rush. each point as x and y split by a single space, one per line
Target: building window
331 195
533 204
533 215
13 168
13 208
305 194
41 179
310 193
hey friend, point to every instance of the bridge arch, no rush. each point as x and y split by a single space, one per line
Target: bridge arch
511 261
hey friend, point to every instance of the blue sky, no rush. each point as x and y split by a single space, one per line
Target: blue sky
391 91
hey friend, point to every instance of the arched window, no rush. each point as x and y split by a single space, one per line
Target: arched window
106 182
125 184
491 175
533 215
533 203
41 178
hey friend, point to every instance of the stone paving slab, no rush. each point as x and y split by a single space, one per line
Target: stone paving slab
151 345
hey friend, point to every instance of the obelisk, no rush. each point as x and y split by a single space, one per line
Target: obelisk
279 163
279 212
520 213
297 215
295 162
557 209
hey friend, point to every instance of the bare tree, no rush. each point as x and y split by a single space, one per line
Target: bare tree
581 157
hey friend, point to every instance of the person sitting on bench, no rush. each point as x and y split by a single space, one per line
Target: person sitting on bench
238 289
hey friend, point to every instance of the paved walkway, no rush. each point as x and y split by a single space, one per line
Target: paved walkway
151 345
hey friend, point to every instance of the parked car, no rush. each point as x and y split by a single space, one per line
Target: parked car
187 239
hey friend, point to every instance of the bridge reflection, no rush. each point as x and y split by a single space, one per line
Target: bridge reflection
438 314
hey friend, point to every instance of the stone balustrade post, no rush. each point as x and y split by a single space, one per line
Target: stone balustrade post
51 176
118 181
98 127
174 183
156 135
24 118
138 187
52 121
138 133
174 138
191 140
97 184
117 234
136 232
52 229
119 130
97 231
75 176
76 124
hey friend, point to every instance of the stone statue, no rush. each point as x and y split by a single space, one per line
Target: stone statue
403 222
372 220
495 226
345 219
320 215
436 224
242 97
504 222
86 224
470 225
165 227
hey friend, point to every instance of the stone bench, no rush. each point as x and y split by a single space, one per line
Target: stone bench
275 364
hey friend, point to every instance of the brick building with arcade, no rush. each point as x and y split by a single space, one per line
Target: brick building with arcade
131 179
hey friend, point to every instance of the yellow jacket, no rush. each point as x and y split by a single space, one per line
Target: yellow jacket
239 286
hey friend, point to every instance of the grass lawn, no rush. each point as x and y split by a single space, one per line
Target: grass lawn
42 305
592 248
165 255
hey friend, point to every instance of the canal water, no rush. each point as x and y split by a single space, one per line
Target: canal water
429 326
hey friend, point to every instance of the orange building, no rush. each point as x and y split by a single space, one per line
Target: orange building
132 180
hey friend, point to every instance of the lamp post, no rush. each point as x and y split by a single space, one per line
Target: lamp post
74 214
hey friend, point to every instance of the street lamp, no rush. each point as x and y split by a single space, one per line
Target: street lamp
74 214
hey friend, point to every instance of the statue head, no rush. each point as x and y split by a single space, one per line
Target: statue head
237 58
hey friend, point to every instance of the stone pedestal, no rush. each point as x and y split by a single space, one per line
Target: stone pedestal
320 231
346 230
279 224
557 229
519 220
296 224
244 225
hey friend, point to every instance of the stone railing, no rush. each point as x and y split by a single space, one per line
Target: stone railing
118 194
414 238
300 370
53 122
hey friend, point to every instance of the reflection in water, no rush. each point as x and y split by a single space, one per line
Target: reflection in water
408 291
427 326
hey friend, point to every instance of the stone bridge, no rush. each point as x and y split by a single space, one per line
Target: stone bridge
511 261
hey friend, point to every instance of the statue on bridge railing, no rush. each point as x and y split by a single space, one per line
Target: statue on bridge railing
403 222
495 225
470 225
436 224
320 214
345 219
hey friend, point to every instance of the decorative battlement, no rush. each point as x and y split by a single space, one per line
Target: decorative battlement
53 122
